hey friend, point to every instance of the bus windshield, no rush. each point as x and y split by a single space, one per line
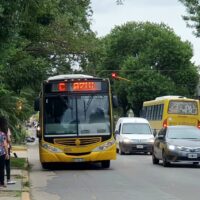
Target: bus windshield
76 115
183 107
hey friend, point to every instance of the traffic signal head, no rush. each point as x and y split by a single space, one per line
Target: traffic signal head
114 75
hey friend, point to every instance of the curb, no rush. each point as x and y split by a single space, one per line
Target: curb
25 195
19 148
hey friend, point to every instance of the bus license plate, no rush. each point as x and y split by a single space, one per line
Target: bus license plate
139 146
192 155
78 160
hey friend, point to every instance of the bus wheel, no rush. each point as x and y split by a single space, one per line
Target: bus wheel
105 164
45 165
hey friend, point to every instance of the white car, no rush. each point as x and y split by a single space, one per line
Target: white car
133 135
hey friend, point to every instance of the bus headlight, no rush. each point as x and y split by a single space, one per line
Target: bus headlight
104 146
51 148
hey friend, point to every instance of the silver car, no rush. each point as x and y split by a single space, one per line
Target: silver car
177 144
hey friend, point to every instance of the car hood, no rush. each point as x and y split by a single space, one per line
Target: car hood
185 142
138 136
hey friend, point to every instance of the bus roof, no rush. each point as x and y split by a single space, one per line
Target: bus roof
169 97
166 98
68 76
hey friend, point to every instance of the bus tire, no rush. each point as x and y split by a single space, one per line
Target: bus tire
45 165
105 164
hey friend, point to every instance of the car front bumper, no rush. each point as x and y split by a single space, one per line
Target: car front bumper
136 148
181 156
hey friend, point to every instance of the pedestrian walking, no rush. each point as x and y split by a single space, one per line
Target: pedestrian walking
7 161
3 149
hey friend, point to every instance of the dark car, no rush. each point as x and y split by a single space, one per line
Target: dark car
177 144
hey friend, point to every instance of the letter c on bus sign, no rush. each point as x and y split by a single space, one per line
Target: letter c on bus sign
62 87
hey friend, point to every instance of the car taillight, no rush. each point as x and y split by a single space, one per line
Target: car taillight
165 123
198 124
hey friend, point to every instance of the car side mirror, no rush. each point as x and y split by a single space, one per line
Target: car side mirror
116 132
154 132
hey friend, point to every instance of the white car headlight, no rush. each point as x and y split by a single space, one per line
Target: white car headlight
104 146
151 140
171 147
126 140
51 148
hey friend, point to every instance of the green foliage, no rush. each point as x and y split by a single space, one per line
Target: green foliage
39 39
193 17
7 101
155 60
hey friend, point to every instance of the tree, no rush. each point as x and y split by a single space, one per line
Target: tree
155 60
193 17
39 39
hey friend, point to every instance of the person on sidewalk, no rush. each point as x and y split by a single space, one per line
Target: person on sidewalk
3 149
7 161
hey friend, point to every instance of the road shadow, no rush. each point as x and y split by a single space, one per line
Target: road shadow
181 165
136 154
76 166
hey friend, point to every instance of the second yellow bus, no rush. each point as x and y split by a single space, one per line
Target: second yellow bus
171 110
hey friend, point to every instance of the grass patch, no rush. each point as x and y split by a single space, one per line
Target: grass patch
19 163
8 194
26 184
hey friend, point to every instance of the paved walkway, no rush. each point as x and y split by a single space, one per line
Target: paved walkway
19 190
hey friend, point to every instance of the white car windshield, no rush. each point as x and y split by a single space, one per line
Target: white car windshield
136 128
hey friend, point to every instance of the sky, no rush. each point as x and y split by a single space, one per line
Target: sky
107 14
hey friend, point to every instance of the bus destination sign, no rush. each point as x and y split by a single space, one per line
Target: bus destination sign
77 86
85 86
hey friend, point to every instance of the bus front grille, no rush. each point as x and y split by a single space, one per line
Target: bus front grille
77 141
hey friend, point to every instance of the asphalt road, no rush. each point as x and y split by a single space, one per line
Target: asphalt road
131 177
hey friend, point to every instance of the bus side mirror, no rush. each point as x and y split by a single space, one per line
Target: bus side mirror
154 132
37 104
115 101
116 132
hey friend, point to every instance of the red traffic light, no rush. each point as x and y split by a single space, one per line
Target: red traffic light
114 75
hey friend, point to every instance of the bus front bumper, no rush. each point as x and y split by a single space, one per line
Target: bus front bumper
50 157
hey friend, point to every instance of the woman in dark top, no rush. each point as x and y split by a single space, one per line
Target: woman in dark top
3 149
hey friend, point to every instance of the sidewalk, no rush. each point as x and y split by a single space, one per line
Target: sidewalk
19 190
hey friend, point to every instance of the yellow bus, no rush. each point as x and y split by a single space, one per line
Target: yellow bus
76 120
171 110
